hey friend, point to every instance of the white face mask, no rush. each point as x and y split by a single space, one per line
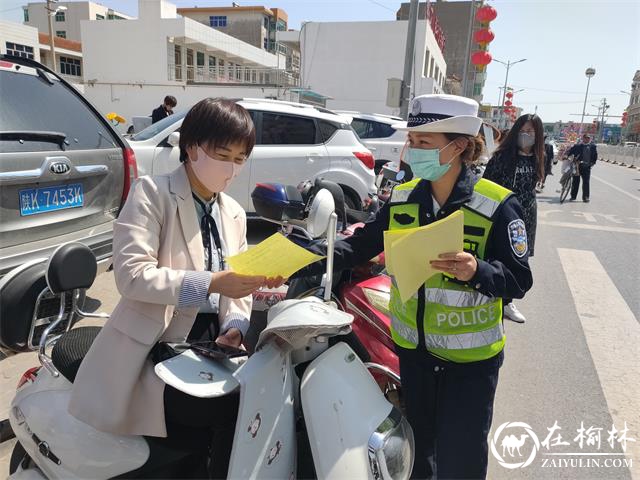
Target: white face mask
526 140
214 174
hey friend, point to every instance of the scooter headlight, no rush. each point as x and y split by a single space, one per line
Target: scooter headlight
379 300
391 448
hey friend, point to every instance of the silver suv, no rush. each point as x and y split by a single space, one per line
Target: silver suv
64 175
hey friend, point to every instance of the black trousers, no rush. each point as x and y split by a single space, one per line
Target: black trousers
450 409
205 426
585 175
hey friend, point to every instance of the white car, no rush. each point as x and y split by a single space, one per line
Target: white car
294 142
378 135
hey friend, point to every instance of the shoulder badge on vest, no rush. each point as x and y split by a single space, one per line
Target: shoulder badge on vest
518 237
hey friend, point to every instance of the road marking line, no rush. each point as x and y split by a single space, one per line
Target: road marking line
613 337
584 226
615 187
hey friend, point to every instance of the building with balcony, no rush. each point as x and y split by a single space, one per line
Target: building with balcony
66 23
256 26
350 63
129 67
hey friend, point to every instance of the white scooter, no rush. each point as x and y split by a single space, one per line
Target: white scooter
295 391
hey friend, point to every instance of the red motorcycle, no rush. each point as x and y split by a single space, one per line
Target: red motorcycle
364 291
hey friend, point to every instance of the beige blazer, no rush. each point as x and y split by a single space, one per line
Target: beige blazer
156 239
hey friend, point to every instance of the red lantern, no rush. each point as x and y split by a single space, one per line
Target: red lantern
481 59
508 103
624 119
484 36
509 95
486 14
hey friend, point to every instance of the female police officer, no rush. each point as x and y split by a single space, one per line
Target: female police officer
449 336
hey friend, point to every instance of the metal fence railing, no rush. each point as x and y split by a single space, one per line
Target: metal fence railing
232 75
625 156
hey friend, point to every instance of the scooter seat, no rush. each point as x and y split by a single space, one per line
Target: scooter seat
71 348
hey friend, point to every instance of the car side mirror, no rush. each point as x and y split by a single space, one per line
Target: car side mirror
174 139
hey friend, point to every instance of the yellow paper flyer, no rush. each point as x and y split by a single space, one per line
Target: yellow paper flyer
276 256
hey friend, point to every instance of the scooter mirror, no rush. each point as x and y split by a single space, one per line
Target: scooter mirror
320 212
400 175
174 139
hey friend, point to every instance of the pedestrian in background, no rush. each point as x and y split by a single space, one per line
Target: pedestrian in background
586 154
548 165
164 110
518 164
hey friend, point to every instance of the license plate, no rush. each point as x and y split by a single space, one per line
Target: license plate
49 199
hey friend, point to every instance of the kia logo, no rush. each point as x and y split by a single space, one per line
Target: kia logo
59 168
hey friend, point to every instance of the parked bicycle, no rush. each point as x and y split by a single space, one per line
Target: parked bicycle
569 170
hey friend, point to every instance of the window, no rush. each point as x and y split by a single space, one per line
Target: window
153 130
19 50
99 17
217 21
60 16
477 89
327 129
23 97
25 13
280 129
212 61
281 26
61 33
265 43
200 59
370 129
427 56
70 66
266 22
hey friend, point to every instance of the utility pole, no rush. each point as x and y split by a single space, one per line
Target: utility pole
589 73
467 58
508 64
50 14
408 59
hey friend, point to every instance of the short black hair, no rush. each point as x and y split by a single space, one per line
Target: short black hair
170 100
216 122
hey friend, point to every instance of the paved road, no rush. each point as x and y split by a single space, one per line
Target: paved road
574 363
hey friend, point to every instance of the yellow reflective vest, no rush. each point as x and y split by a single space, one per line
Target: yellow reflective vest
457 322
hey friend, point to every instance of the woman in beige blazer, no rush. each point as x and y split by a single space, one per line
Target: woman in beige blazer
168 273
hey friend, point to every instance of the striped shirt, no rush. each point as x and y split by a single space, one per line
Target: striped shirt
195 287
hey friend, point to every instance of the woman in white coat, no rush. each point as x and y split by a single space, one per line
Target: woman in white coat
170 242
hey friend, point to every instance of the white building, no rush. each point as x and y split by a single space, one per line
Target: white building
130 66
19 40
25 41
66 22
350 62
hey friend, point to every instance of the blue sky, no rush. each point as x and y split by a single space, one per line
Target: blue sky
559 39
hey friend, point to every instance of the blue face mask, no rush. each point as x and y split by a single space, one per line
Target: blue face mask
425 163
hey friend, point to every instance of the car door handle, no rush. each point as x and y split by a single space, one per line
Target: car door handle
396 149
311 157
373 149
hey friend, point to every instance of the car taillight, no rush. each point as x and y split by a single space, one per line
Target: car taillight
130 172
28 376
366 158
